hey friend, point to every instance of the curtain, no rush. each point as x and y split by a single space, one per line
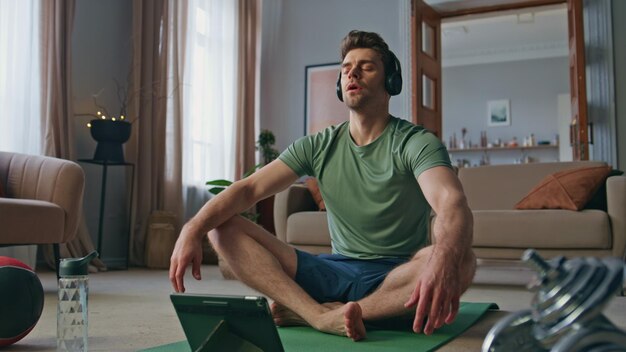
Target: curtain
155 145
56 90
222 115
249 30
195 63
57 18
211 78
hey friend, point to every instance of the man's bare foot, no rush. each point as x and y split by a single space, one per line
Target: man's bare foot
346 320
284 316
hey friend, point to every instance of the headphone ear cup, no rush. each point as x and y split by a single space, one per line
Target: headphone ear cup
339 92
393 84
393 81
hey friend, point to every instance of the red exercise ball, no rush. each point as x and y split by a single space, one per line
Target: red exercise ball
21 300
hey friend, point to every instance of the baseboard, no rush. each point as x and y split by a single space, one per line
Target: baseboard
503 272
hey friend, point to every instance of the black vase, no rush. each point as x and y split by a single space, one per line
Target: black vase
110 136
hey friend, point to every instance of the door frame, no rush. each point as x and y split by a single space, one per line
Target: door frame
433 120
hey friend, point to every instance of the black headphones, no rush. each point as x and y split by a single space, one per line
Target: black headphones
393 78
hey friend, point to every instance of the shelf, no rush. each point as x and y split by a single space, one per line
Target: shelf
483 149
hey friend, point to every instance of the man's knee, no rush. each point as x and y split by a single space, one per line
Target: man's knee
224 234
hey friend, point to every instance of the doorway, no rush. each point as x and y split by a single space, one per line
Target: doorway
503 74
426 63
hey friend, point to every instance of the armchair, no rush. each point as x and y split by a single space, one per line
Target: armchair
43 203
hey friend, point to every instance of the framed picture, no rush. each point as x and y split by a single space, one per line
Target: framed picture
499 112
321 106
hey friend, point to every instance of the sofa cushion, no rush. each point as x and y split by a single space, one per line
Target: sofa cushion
568 189
599 201
542 229
308 227
16 216
502 186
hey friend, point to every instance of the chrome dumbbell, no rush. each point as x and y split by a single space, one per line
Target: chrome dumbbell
513 333
566 311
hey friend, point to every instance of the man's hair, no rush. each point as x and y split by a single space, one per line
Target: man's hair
368 40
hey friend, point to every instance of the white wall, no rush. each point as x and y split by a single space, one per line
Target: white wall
532 86
101 52
297 33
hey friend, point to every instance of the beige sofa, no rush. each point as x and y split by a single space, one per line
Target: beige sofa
500 232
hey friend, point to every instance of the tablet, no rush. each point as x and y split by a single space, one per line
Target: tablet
227 323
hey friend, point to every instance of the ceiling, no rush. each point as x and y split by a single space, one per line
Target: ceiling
448 7
521 34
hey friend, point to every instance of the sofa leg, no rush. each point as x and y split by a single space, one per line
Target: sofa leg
57 257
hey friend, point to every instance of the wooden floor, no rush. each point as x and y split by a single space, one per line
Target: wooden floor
130 310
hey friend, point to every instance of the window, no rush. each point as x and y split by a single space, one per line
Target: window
20 108
210 83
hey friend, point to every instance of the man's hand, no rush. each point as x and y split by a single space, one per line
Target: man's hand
188 249
437 293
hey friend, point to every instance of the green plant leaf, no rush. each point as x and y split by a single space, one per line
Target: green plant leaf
216 190
223 183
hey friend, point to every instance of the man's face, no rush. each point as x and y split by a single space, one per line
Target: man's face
362 78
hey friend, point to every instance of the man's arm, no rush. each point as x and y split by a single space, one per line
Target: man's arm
241 195
438 291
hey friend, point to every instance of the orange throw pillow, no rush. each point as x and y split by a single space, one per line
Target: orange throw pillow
568 189
314 189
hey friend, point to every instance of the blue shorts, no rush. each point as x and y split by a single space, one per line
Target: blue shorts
337 278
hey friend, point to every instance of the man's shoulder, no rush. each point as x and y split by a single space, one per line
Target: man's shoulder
327 135
407 134
404 127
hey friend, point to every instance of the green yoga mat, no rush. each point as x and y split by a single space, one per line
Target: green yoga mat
310 340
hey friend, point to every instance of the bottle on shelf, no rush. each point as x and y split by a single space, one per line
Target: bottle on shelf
483 139
463 144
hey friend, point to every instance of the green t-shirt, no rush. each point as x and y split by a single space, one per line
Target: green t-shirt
375 206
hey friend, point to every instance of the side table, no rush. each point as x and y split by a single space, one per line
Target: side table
107 207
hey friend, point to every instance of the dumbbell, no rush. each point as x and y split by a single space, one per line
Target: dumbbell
566 311
513 333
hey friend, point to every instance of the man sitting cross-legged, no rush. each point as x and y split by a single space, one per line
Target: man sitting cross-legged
379 177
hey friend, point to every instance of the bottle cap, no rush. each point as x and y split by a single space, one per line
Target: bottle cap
76 266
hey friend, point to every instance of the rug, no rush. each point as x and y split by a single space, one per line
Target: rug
308 339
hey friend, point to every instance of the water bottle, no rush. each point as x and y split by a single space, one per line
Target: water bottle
72 309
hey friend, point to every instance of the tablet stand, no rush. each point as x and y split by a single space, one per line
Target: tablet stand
222 339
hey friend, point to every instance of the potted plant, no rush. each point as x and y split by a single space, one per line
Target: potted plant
265 144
